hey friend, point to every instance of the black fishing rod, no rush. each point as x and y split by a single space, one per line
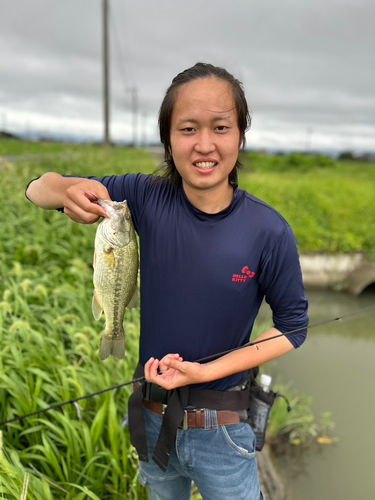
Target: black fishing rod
364 311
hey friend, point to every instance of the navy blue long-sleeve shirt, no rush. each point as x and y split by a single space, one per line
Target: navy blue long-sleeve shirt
204 276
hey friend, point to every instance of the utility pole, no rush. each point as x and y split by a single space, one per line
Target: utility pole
134 93
107 141
144 129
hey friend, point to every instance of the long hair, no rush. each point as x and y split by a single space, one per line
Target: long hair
200 70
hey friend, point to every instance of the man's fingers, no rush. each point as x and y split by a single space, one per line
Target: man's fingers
175 364
80 202
151 369
85 201
84 219
81 215
164 362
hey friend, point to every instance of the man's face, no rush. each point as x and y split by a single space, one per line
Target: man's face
205 137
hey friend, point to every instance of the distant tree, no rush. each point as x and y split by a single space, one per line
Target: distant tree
347 156
7 135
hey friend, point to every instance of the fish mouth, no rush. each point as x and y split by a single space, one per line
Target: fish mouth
205 165
113 208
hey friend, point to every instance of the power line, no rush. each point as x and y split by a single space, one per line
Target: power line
123 75
119 54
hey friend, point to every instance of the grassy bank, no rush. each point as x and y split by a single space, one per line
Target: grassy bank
328 204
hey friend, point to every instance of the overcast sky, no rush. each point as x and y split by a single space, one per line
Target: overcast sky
308 66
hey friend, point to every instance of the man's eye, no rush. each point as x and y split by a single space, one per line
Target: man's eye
221 128
188 129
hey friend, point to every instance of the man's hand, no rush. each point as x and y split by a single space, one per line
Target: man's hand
80 201
172 372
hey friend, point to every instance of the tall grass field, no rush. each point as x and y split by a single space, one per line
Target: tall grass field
49 346
49 341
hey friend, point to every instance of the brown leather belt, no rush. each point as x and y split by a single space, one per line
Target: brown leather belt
196 418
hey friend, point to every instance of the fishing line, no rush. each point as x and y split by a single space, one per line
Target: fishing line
365 310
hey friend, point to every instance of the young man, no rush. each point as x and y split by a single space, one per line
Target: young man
210 253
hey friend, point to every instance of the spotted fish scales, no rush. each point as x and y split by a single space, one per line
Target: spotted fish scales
115 274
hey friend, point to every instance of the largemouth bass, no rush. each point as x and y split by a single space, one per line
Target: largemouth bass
115 274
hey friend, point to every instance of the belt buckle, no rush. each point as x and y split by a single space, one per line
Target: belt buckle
185 423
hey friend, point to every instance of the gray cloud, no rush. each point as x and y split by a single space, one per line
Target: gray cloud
303 64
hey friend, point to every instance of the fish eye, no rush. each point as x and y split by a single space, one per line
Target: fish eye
127 217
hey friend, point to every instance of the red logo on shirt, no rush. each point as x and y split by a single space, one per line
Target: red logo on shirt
242 278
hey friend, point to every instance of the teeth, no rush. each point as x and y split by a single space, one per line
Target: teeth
205 164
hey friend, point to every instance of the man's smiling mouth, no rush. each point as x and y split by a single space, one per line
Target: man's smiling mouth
205 164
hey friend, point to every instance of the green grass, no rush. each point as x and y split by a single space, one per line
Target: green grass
49 348
49 354
298 427
15 147
330 205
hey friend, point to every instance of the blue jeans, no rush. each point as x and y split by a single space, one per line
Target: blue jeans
220 460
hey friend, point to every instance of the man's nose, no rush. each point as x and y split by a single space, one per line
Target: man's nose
205 142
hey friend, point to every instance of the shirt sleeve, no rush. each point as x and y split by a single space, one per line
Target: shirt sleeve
282 285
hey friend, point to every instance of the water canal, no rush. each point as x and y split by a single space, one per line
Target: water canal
336 367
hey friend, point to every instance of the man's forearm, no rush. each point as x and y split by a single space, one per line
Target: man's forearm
248 357
177 373
48 191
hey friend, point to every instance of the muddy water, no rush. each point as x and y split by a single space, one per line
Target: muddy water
336 367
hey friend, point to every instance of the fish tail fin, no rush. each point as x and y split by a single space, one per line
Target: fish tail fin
112 347
118 347
105 348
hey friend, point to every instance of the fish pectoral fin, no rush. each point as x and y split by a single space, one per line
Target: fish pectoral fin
97 309
109 258
134 301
